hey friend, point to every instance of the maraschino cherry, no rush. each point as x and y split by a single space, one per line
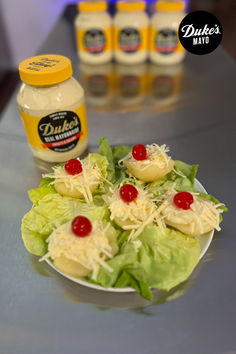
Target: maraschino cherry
139 152
73 167
183 200
128 193
81 226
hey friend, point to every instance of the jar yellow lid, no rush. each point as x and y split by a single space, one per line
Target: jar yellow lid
170 5
131 5
92 6
45 69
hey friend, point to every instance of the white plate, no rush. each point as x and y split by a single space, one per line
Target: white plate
204 241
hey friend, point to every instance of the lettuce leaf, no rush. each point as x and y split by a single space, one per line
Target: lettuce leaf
182 183
162 262
99 160
105 150
212 199
43 189
52 211
187 170
119 152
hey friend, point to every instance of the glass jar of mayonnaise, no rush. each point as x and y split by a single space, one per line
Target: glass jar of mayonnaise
165 47
131 32
52 107
93 32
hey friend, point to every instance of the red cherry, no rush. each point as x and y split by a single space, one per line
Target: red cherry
139 152
183 200
81 226
128 193
73 167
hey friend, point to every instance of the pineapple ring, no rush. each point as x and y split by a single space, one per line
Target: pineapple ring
188 229
71 267
149 172
62 189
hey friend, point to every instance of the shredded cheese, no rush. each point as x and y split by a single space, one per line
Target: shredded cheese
202 215
82 182
91 251
132 216
155 155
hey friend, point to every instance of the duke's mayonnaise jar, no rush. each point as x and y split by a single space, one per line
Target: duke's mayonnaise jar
165 47
93 32
131 32
52 107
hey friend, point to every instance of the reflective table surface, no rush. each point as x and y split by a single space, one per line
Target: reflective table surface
191 108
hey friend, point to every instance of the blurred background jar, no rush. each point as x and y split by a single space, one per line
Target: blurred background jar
52 108
165 83
98 83
165 47
131 84
131 26
93 32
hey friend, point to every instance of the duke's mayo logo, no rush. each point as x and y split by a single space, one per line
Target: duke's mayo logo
200 32
60 131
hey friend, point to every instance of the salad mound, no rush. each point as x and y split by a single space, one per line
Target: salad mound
121 217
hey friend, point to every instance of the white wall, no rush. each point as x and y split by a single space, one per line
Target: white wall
27 23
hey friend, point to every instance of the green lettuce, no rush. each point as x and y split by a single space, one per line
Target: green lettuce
99 160
163 261
50 212
182 183
119 152
43 189
105 150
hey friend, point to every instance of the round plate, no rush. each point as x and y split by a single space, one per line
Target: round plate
204 240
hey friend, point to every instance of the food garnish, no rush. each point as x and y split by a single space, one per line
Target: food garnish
139 152
81 226
73 167
128 193
183 200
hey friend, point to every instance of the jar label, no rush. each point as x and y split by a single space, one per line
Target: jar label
59 131
165 41
94 41
130 40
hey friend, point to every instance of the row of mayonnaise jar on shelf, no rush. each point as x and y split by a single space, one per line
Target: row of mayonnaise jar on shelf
131 37
116 86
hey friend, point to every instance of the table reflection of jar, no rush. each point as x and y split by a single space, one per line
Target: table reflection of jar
98 83
131 83
165 83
